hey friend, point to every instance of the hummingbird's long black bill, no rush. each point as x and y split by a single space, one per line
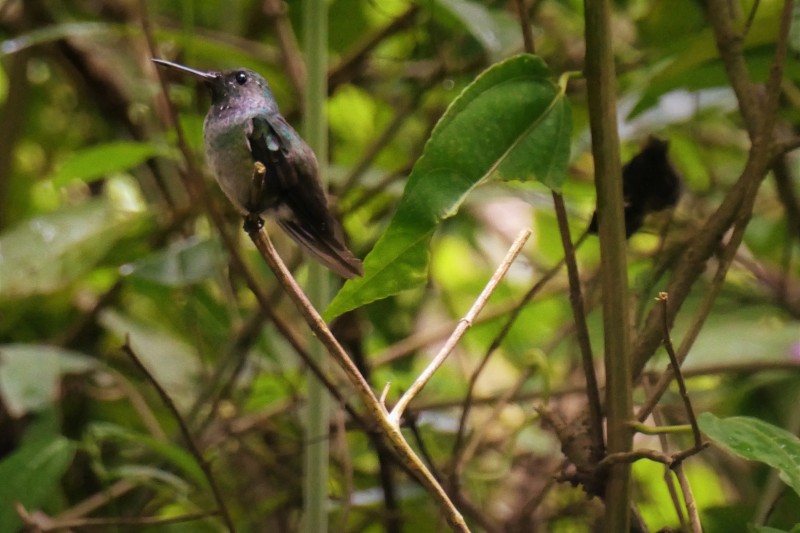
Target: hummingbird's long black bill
208 76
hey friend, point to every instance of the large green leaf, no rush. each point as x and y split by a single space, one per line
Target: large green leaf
757 440
44 253
511 123
31 475
30 374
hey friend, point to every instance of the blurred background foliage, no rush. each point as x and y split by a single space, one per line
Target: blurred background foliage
99 243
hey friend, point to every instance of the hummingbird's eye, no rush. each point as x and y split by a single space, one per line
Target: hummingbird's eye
241 78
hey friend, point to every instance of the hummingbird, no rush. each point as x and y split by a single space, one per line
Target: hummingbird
649 183
244 127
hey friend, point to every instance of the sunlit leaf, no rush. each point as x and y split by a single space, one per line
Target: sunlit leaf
757 440
99 161
511 123
43 254
31 476
30 374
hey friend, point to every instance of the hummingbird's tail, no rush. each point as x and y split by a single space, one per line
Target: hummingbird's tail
329 249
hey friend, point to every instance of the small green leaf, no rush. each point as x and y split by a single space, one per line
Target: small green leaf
99 161
180 265
30 476
511 123
757 440
30 374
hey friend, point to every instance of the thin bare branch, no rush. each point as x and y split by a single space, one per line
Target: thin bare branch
688 497
464 324
676 368
291 56
581 329
40 522
187 436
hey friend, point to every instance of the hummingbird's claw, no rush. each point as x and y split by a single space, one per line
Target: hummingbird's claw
253 223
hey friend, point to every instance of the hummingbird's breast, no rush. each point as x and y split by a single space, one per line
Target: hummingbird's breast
228 153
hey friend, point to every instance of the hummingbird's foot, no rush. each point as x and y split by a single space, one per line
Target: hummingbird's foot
253 223
259 185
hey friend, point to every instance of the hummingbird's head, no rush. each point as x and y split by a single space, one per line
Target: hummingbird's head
232 87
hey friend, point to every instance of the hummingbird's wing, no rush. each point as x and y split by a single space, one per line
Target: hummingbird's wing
294 190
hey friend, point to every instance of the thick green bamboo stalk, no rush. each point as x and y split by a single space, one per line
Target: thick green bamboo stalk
601 83
315 476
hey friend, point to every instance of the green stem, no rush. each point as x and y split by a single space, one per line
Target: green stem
601 78
315 480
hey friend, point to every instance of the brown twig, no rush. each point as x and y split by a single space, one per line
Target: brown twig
671 460
691 504
669 477
525 24
581 329
42 523
292 57
187 436
97 500
676 368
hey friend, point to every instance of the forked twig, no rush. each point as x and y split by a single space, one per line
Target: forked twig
464 324
377 413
